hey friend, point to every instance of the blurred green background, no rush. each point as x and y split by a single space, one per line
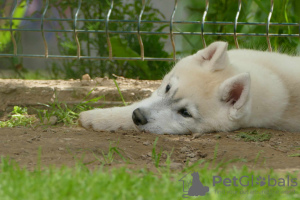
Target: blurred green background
127 45
285 11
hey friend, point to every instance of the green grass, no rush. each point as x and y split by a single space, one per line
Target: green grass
64 113
254 136
294 155
119 91
122 183
18 117
108 158
156 155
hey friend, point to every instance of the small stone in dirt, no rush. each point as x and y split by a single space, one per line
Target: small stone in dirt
25 132
149 154
8 89
184 149
191 155
98 79
230 136
173 166
218 136
197 135
86 80
86 77
176 166
52 120
193 159
61 149
202 155
52 130
36 138
147 143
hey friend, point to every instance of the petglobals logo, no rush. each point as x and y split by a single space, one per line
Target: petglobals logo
192 185
195 186
246 181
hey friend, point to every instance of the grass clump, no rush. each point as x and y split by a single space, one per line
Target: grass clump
65 114
254 136
119 91
18 117
108 158
156 155
62 111
294 155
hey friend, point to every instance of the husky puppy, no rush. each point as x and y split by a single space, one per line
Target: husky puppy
214 90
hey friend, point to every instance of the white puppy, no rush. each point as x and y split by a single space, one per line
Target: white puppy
214 90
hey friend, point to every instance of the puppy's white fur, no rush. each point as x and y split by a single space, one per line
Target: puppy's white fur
214 90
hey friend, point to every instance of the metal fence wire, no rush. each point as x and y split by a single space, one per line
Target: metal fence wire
139 21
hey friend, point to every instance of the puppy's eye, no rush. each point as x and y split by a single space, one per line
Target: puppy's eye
168 88
184 112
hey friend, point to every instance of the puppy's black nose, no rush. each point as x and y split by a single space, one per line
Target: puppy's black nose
138 117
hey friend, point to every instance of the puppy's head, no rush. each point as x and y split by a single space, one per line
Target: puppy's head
202 93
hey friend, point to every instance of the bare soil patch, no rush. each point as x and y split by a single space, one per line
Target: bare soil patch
33 93
68 145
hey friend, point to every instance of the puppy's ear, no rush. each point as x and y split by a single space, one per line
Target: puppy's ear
235 93
214 57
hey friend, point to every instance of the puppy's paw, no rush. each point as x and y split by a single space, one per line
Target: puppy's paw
85 119
108 119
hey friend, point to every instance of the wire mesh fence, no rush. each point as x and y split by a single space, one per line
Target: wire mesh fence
169 30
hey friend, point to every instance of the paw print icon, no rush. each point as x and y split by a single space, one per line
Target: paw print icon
261 181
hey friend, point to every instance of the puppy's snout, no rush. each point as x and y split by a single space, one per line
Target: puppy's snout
138 117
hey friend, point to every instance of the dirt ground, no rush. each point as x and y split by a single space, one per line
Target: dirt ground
69 145
33 93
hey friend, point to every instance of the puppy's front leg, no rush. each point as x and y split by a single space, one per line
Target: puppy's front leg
109 119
